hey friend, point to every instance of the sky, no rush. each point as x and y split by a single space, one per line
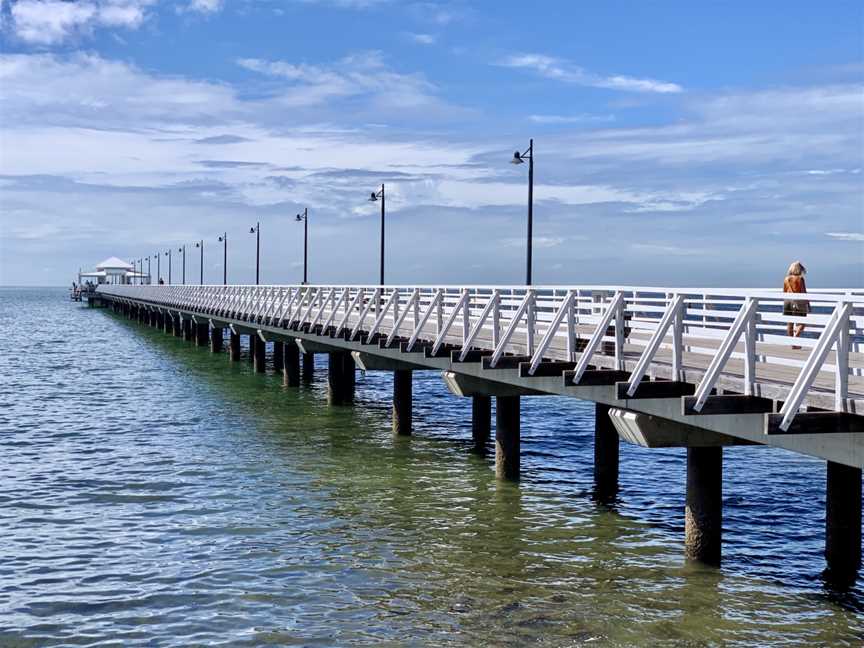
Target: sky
675 143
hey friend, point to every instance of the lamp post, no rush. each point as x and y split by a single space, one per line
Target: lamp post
305 218
148 270
224 240
141 274
183 250
200 244
373 198
158 258
168 254
257 232
519 158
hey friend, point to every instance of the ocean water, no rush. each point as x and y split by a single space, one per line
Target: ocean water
154 494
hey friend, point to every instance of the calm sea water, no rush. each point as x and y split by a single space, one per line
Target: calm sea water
154 494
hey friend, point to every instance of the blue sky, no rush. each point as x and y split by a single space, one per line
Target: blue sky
677 143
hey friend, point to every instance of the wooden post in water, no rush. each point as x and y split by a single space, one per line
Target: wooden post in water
605 455
842 523
216 339
481 422
278 355
308 367
291 365
252 340
260 355
703 514
402 402
188 333
507 437
340 378
234 347
202 331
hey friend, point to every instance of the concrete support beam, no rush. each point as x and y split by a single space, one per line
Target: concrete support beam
606 445
842 523
216 339
259 356
703 514
507 437
234 347
202 333
402 402
340 378
278 355
291 365
308 366
481 422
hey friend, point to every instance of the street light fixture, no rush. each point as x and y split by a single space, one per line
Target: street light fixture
305 218
148 270
374 198
257 232
519 158
158 258
224 240
200 244
168 254
183 250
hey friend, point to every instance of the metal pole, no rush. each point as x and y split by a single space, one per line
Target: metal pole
202 262
225 260
158 267
305 243
169 267
184 265
257 253
148 270
382 236
530 210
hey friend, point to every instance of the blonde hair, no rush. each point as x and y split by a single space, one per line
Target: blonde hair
797 268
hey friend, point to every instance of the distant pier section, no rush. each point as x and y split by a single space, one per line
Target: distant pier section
700 369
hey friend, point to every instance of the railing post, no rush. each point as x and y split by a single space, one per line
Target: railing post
619 335
678 342
496 319
750 352
466 321
530 322
841 371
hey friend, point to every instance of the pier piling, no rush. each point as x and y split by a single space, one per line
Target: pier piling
291 365
606 446
216 339
308 367
278 355
202 332
234 347
402 402
340 378
703 514
481 422
259 354
507 437
842 523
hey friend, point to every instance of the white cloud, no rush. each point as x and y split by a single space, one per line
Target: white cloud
49 22
422 39
564 71
205 6
361 74
570 119
846 236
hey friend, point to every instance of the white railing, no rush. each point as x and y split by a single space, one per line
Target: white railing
711 333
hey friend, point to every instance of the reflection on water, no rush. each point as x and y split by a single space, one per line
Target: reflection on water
152 493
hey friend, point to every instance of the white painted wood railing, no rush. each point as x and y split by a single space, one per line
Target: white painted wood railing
718 336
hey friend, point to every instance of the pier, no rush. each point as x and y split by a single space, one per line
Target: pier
699 369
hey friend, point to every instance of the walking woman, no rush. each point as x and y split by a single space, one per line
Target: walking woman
794 283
